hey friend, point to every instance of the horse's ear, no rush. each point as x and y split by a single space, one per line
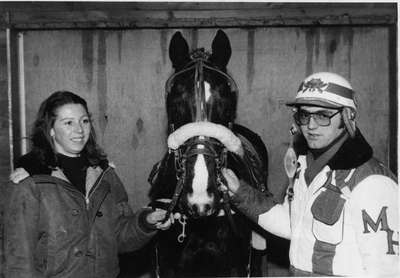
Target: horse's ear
221 50
178 51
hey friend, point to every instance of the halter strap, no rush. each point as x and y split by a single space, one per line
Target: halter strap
207 149
180 175
199 62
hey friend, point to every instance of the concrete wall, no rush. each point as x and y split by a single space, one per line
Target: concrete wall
122 73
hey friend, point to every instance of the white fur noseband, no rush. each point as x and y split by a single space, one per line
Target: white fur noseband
219 132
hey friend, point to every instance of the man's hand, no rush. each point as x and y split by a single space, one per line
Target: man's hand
18 175
232 181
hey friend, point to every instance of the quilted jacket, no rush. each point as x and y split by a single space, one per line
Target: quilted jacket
53 230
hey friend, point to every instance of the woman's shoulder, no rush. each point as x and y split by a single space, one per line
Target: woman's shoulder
32 164
29 186
38 180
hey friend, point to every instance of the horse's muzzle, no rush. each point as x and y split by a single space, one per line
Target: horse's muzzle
198 209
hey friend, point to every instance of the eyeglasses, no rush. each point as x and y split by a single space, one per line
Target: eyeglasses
322 118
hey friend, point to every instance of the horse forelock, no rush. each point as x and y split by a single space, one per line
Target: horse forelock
221 100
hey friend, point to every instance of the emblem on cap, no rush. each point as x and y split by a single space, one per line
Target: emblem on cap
314 84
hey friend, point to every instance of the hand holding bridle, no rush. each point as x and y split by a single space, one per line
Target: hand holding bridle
156 218
232 181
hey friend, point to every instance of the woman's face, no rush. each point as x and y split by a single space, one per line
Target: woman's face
71 129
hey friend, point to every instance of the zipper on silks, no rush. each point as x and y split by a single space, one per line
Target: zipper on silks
96 183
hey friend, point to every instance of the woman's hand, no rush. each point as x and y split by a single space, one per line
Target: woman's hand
232 181
157 216
18 175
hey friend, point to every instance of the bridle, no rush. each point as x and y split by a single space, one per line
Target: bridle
187 150
206 146
199 145
199 63
196 146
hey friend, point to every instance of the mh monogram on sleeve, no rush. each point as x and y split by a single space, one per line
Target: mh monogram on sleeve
382 220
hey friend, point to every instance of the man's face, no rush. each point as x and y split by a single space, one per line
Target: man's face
317 135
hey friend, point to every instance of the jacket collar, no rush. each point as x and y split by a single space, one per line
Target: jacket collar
92 174
353 153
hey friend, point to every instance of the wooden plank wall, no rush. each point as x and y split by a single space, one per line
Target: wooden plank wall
4 133
122 75
116 56
42 15
4 118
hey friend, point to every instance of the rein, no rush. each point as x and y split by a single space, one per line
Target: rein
180 176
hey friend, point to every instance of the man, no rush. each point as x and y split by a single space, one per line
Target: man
342 214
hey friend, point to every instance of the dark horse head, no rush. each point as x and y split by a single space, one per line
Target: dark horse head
200 89
210 238
200 92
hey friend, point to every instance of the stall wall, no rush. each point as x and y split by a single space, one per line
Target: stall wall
4 114
121 73
4 133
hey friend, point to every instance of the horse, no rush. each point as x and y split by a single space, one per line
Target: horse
209 238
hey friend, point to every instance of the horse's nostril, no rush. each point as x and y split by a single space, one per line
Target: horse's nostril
195 210
207 209
210 210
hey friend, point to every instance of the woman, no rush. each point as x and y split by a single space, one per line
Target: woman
71 217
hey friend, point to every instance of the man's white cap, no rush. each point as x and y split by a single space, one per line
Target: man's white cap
325 89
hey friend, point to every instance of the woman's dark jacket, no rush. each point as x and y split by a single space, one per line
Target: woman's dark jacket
53 230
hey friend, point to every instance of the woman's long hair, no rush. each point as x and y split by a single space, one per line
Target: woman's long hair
42 143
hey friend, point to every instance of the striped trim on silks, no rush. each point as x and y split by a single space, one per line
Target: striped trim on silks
322 257
295 272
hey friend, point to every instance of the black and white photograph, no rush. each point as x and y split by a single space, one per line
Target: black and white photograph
178 139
